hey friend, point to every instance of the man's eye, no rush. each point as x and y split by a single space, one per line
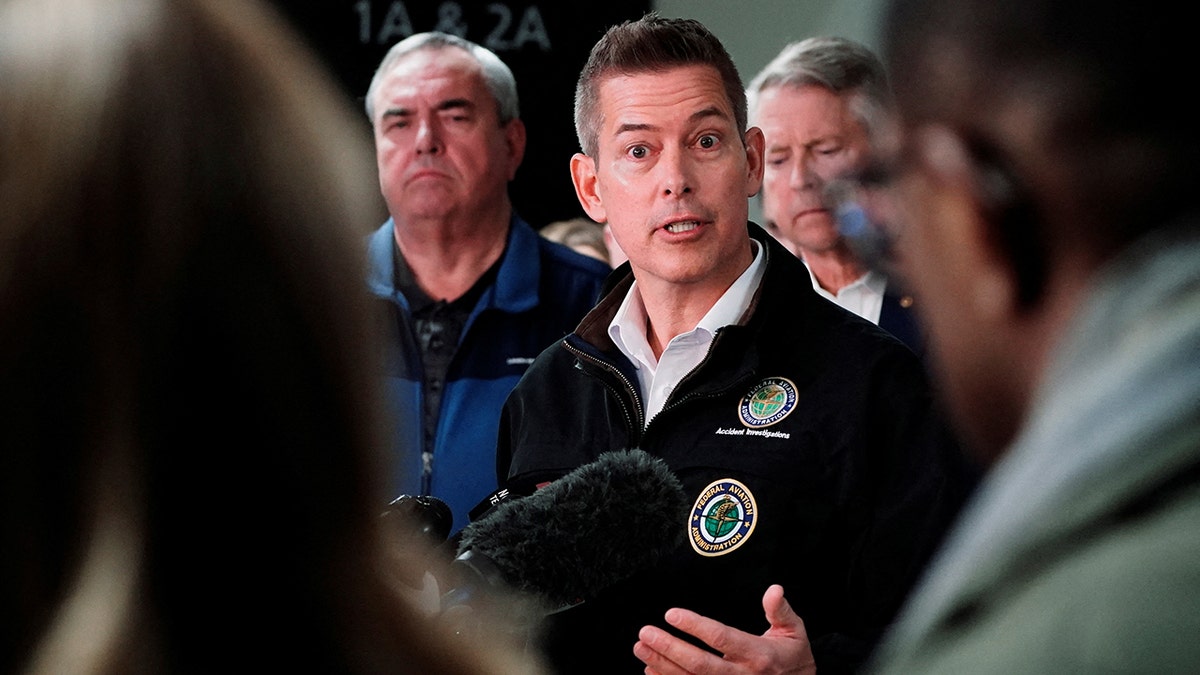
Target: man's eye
707 141
638 152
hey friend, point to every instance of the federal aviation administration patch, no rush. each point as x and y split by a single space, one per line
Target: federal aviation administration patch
723 518
768 402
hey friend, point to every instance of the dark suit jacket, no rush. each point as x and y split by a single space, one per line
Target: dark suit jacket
897 318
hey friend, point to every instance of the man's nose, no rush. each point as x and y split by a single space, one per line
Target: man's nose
803 175
678 176
428 140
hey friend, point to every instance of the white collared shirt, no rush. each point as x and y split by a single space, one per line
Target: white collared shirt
659 377
864 296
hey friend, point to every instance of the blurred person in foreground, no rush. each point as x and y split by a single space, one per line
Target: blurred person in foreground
473 292
192 441
1045 212
817 102
804 434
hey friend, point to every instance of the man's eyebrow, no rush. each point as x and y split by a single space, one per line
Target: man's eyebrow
712 111
629 126
708 112
448 104
453 103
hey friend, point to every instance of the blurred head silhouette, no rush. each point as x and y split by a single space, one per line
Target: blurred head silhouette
191 440
1028 156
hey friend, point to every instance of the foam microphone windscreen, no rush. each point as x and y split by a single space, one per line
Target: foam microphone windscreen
597 525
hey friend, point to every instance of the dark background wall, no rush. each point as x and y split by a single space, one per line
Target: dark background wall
545 42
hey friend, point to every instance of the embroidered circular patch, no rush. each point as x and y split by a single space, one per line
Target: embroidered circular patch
723 518
768 402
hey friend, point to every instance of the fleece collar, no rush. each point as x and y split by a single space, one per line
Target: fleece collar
516 287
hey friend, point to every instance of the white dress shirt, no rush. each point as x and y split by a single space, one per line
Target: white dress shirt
658 377
864 296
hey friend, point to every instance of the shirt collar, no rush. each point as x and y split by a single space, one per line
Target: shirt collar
872 282
420 303
628 326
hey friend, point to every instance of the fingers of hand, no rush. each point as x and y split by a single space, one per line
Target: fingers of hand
666 654
780 614
715 634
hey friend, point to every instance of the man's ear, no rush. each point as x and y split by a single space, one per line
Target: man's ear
968 225
756 145
583 174
514 138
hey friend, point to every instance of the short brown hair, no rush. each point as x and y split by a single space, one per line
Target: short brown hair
651 43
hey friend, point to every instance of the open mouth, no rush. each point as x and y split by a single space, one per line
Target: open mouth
682 226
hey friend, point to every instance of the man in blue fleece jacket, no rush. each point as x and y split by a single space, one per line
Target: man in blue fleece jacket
473 293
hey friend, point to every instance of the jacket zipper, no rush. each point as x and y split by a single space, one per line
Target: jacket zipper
687 397
634 429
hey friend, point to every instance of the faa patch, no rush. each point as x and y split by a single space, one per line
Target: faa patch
768 402
723 518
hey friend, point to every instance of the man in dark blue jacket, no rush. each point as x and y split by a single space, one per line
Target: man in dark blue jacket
473 293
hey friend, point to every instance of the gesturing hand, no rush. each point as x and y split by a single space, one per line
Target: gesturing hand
784 648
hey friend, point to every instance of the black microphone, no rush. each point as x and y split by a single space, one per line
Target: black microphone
597 525
423 515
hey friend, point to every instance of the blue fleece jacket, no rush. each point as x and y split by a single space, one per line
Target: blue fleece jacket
541 291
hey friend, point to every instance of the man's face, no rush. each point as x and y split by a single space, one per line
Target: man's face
672 175
439 144
812 137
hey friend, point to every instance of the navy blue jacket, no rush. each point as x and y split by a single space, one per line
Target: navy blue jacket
896 317
541 292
